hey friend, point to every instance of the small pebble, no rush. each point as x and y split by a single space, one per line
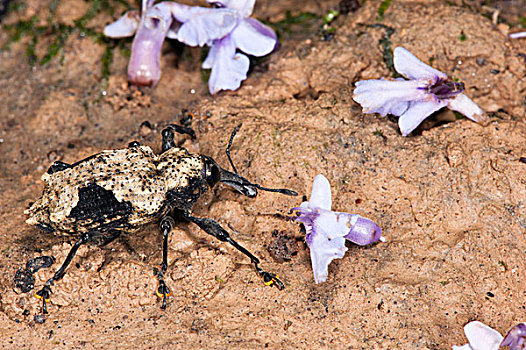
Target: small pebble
53 156
39 318
145 129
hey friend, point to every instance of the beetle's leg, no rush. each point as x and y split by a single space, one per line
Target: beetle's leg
182 130
167 224
45 292
168 135
213 228
58 166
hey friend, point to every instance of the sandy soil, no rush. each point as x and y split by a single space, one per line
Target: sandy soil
450 198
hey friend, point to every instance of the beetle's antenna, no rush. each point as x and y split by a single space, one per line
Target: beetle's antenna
234 132
237 181
278 190
284 191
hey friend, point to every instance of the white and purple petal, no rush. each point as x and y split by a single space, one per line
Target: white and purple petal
480 337
416 113
229 68
254 38
243 7
463 104
204 28
322 252
210 59
144 67
320 196
411 67
332 224
125 26
384 96
199 25
516 338
362 230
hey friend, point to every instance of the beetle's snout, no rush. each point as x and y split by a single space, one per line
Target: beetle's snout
247 190
238 182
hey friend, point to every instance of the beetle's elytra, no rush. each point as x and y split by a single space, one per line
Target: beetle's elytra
116 191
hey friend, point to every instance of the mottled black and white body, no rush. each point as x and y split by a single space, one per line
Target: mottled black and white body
122 190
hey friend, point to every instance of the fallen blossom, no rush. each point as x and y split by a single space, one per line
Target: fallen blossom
327 230
229 68
482 337
426 91
193 25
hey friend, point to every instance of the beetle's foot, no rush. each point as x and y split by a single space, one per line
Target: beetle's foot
44 295
271 279
163 292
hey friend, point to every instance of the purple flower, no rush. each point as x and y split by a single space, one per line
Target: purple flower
482 337
413 100
327 230
229 68
192 25
516 338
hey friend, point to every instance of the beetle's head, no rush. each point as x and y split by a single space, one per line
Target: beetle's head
214 174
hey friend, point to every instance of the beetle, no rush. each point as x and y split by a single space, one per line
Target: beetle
100 197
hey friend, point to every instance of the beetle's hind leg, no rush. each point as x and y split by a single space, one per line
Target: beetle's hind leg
45 292
213 228
167 224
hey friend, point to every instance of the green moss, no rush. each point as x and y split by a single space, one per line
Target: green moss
293 23
385 43
378 133
17 30
107 57
458 115
31 52
62 34
205 75
381 10
59 34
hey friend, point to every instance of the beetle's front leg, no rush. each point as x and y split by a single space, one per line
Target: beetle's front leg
213 228
168 135
167 224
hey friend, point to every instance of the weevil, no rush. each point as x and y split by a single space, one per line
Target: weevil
100 197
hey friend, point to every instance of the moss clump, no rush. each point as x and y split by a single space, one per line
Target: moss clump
381 10
59 34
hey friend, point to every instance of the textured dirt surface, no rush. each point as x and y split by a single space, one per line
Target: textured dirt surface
450 198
